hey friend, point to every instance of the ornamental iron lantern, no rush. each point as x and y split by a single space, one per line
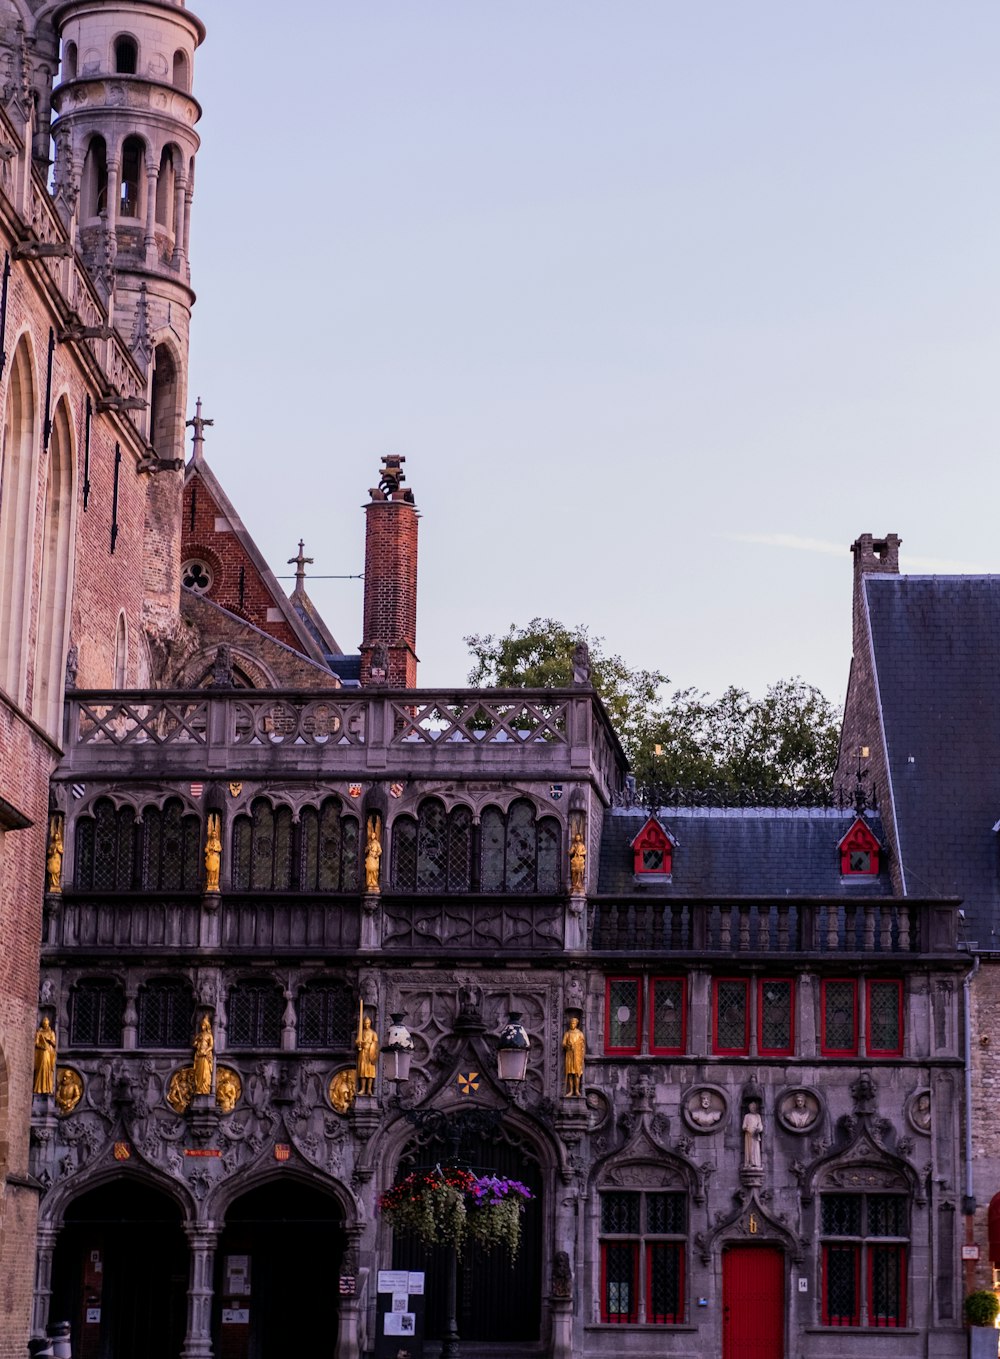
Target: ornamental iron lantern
512 1049
398 1049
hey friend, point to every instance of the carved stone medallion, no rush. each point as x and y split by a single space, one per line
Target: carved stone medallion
342 1089
69 1089
798 1111
704 1109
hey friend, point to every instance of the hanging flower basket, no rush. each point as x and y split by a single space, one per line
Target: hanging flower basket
450 1206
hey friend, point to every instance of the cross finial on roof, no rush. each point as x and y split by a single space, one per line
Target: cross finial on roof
300 563
199 425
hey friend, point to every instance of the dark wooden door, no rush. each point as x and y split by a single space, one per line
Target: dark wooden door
753 1303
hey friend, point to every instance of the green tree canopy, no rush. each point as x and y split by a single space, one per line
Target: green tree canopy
735 744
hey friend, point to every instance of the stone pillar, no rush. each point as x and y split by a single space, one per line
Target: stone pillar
149 242
180 189
44 1252
203 1240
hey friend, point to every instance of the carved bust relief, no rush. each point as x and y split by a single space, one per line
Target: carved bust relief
704 1109
798 1111
919 1112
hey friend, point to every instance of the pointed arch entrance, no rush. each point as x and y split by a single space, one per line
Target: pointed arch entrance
277 1266
495 1303
120 1273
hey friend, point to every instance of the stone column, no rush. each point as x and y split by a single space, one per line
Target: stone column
45 1250
180 189
149 242
203 1239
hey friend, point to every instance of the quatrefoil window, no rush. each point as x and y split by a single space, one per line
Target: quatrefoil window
197 576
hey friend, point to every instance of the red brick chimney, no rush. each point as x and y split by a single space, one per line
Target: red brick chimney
388 656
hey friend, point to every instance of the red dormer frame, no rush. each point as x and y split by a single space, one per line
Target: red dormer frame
653 850
859 851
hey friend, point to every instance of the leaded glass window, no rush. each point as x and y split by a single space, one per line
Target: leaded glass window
623 1016
732 1029
105 849
166 1014
519 852
642 1268
434 852
262 849
885 1022
97 1009
775 1015
840 1017
329 849
254 1015
326 1015
171 860
667 1008
864 1273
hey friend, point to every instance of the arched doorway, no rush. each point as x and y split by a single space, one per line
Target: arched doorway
120 1273
496 1303
276 1274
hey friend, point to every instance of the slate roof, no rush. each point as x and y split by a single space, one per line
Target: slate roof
756 851
936 648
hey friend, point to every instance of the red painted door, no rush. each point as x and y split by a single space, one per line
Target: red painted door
753 1303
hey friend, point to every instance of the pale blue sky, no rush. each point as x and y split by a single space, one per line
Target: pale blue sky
644 291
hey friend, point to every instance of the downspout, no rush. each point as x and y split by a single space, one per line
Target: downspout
968 1201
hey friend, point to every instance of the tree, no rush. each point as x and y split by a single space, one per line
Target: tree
734 745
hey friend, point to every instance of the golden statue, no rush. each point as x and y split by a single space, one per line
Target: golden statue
54 856
228 1089
577 865
204 1049
213 851
180 1090
575 1047
373 853
367 1046
69 1089
343 1086
45 1059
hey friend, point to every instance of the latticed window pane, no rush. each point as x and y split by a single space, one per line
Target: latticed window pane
242 840
665 1214
84 873
731 1016
775 1016
170 849
270 847
668 1014
841 1285
620 1213
96 1015
652 860
492 838
665 1282
349 851
459 855
166 1015
623 1015
324 848
840 1033
549 855
521 848
887 1266
326 1016
404 854
887 1215
884 1017
106 857
841 1214
620 1291
255 1012
432 848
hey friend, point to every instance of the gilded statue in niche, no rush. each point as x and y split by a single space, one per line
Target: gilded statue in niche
44 1082
574 1046
342 1089
204 1058
367 1045
213 851
228 1089
577 864
69 1089
373 853
181 1091
54 855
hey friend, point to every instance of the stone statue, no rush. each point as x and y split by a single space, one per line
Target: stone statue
69 1090
54 857
577 865
45 1059
704 1114
204 1050
753 1134
800 1113
367 1045
213 851
575 1048
921 1112
373 853
581 663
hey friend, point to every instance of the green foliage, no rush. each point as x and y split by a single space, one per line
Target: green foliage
981 1307
786 740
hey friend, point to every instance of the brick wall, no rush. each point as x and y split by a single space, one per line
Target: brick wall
390 608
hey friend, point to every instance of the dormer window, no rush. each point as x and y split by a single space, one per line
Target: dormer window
859 851
652 850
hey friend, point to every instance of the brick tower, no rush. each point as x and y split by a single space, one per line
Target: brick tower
388 648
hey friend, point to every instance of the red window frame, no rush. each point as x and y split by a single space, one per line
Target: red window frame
871 1248
660 1051
776 1052
623 1051
731 1052
861 838
665 1318
825 1049
855 1318
652 836
871 982
620 1318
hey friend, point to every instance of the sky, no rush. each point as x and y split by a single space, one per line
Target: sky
664 303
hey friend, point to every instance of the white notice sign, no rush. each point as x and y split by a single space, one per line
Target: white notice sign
415 1287
400 1323
392 1280
236 1316
93 1314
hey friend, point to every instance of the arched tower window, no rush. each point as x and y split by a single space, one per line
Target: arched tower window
121 652
434 852
126 55
54 599
94 184
328 854
182 71
17 484
166 1013
170 849
105 849
520 853
69 61
165 181
262 849
133 161
164 411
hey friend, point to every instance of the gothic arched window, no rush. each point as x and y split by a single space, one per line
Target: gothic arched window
17 496
326 1015
54 598
96 1012
433 853
105 849
181 71
69 62
166 1014
126 55
254 1015
262 849
133 178
171 841
520 853
328 854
